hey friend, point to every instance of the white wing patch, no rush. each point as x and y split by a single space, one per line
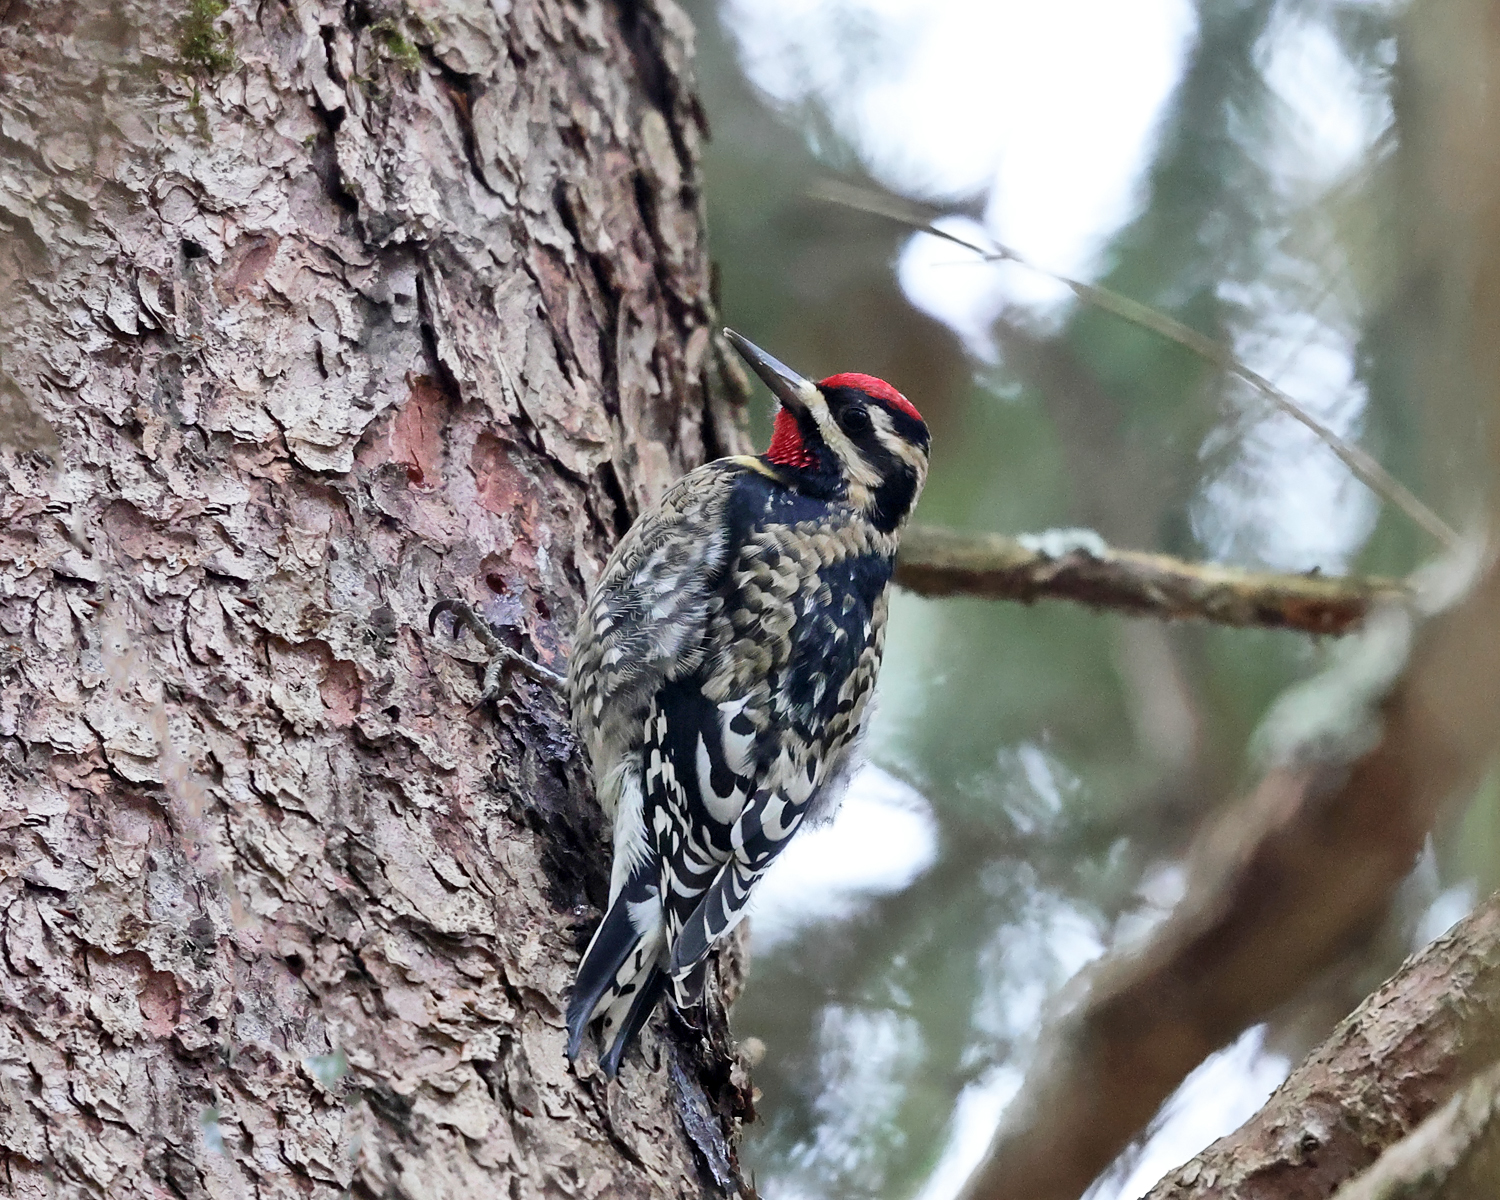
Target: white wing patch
772 818
738 747
632 847
723 809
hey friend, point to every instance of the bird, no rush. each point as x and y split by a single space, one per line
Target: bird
720 677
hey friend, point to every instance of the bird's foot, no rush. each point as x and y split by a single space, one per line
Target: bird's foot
502 657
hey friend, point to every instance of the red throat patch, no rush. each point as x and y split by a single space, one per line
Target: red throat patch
878 388
787 448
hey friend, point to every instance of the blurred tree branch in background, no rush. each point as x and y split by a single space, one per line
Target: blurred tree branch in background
1366 761
1388 1065
943 562
1361 464
1278 889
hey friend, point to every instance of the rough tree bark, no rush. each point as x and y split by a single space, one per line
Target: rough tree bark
310 315
1387 1066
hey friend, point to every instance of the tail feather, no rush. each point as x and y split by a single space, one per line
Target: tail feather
626 1017
613 959
687 989
761 832
720 910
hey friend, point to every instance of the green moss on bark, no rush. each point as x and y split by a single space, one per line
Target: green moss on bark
203 47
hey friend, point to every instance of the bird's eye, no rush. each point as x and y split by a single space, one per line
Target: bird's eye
855 420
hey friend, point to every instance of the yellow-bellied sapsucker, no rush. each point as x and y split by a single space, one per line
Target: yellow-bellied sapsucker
720 675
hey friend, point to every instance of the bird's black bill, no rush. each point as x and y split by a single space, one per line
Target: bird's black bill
785 384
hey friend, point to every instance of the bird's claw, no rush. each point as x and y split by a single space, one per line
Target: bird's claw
502 657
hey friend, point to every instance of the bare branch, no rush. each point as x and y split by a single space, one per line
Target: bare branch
1364 467
941 562
1388 1065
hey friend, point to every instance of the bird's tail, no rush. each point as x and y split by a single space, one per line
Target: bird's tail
620 979
634 1003
720 910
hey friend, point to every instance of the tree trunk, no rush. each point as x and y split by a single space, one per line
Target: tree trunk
313 315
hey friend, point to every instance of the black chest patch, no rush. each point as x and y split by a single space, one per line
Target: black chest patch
790 653
836 621
758 502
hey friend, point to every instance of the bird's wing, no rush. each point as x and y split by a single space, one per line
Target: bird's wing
644 622
728 783
761 833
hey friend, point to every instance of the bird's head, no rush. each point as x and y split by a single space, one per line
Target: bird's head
849 437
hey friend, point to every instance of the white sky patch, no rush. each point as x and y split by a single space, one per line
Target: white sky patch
1023 968
1069 163
1161 889
1331 115
883 837
1035 787
955 98
1220 1096
1027 962
865 1060
1449 908
975 1119
955 285
1286 500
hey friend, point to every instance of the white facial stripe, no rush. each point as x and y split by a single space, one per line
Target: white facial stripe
885 430
862 476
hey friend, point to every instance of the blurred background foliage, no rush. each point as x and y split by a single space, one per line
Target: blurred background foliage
1235 164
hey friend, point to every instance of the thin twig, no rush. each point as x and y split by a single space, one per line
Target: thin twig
1362 465
942 562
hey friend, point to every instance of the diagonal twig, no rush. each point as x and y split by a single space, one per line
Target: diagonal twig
1361 464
